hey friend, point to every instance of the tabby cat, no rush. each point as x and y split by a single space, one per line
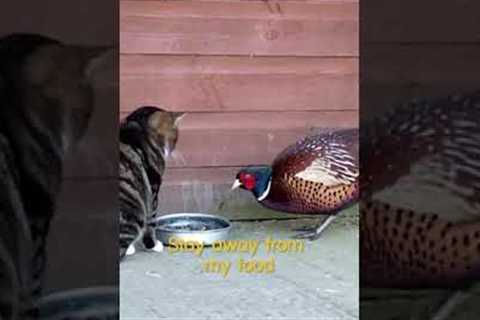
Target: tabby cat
147 137
46 100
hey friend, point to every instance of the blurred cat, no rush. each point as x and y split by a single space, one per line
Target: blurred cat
46 100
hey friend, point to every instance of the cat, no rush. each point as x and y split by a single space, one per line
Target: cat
147 137
46 101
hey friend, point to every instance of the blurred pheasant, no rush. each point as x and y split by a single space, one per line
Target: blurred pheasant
318 175
425 149
406 249
422 157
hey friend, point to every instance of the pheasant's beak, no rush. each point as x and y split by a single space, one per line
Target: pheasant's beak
236 184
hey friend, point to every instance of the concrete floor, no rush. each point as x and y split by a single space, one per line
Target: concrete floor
320 283
389 304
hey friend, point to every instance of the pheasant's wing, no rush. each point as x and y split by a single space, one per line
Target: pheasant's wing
331 169
330 159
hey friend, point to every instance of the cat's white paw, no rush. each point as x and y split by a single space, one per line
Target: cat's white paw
130 250
158 246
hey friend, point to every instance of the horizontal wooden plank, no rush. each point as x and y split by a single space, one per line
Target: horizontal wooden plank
239 28
421 64
266 120
231 147
236 139
208 175
238 83
421 21
332 10
209 139
243 138
394 74
248 138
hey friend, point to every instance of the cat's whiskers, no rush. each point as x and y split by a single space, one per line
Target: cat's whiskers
178 157
166 151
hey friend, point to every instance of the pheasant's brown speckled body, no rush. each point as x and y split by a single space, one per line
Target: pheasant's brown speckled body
317 175
435 147
404 249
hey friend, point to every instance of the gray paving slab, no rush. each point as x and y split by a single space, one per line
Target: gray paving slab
319 283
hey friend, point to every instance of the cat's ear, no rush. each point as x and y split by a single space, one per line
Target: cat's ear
178 116
96 60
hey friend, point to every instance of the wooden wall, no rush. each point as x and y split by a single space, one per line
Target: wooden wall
422 49
254 76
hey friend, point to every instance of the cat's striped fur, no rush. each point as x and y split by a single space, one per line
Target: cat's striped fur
147 137
46 101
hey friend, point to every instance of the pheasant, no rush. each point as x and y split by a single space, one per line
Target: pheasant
317 175
406 249
422 157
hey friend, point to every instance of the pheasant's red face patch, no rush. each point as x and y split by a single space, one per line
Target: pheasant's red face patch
248 180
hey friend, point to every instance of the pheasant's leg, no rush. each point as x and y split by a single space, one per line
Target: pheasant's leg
449 306
314 233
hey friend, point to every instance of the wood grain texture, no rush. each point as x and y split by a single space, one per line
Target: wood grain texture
426 21
213 139
422 70
421 64
208 83
212 175
254 76
267 120
236 139
239 28
199 148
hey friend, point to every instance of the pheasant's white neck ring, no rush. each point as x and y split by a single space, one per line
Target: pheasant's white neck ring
265 193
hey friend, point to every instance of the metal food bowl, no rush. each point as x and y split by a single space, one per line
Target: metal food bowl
205 228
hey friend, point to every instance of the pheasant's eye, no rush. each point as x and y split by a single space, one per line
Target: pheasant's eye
248 180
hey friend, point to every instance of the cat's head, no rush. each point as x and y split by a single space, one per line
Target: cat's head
55 82
161 126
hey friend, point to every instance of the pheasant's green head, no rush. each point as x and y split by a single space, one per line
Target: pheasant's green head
256 179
